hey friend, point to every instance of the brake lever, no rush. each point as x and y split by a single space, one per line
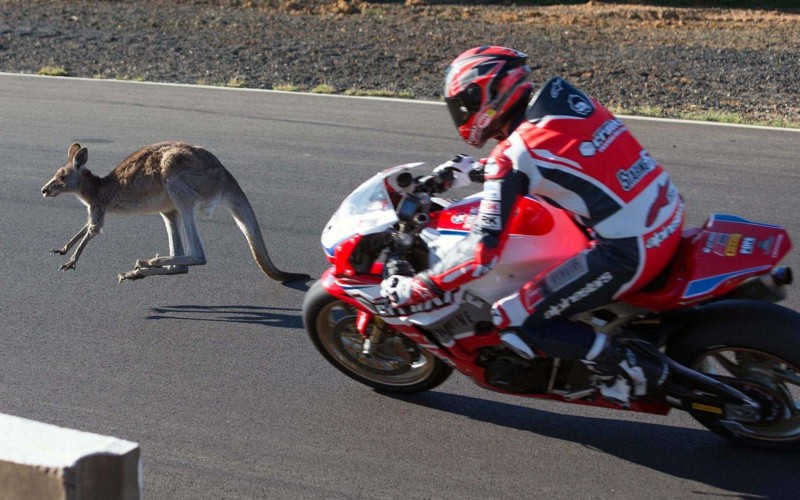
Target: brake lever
434 183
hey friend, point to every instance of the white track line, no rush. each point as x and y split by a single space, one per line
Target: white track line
387 99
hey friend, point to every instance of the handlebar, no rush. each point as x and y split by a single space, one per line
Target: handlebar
434 183
441 181
412 211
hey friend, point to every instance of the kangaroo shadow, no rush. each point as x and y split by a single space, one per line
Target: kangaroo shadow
693 454
267 316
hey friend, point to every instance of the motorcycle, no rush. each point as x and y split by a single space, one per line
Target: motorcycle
712 316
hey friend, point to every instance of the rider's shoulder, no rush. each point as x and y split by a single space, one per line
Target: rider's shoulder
504 154
559 99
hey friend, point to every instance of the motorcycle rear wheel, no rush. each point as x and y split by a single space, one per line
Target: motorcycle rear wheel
330 324
754 347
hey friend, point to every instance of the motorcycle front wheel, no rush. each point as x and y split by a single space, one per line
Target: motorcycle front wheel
755 348
400 366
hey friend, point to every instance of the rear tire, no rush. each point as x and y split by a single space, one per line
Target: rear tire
330 324
755 347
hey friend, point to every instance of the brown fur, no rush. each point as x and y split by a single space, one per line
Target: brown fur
173 179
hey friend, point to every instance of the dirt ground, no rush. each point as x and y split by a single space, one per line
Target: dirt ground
731 64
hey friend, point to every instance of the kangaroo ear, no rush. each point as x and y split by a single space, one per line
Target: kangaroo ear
79 159
72 150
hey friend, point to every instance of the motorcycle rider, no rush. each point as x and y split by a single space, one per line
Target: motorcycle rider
570 151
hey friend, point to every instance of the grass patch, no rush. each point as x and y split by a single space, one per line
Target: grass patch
286 87
236 82
373 11
323 88
781 122
713 116
725 117
702 116
53 71
403 94
128 77
638 111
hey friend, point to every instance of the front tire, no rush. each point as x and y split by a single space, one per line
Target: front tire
330 324
754 347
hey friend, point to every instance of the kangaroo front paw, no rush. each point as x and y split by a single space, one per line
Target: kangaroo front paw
59 251
68 265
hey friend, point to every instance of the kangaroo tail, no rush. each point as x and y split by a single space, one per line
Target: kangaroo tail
245 218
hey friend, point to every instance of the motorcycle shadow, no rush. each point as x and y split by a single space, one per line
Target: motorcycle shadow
694 454
277 317
301 285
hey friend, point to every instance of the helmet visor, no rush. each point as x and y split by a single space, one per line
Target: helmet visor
464 105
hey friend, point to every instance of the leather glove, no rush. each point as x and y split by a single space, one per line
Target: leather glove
403 291
398 266
460 167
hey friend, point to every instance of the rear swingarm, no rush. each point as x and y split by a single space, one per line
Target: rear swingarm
692 391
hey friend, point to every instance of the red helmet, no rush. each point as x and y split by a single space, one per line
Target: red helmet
484 88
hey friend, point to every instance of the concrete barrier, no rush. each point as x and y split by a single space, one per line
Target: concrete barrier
45 462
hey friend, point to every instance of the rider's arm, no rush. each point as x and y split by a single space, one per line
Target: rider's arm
476 254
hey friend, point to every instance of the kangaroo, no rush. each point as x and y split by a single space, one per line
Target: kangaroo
173 179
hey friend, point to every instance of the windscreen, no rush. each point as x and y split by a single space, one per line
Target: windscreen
368 209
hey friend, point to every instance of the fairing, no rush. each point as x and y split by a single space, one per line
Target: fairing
539 236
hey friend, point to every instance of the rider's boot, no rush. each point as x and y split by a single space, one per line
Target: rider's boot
628 374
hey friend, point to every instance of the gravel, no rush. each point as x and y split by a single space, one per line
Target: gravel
651 60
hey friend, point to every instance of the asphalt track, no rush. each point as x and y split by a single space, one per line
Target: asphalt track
212 373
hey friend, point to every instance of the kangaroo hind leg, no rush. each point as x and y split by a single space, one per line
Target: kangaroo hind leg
172 221
179 260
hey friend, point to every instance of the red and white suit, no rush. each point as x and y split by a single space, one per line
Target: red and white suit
573 153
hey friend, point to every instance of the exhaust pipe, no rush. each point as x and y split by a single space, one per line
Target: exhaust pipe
782 276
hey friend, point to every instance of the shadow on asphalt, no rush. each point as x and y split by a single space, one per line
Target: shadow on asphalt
693 454
266 316
301 285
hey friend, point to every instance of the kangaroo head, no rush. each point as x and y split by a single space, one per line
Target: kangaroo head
68 177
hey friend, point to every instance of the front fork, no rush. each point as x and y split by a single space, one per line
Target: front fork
373 330
380 344
372 333
363 321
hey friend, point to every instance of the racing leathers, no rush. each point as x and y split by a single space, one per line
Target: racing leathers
573 153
